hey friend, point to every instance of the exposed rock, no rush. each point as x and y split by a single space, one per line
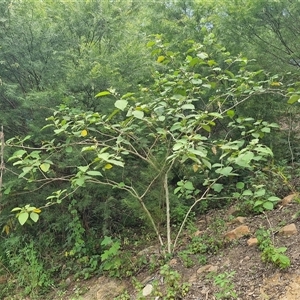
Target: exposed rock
198 233
288 199
252 242
288 230
104 289
147 290
207 269
238 220
149 251
3 279
173 262
237 233
233 211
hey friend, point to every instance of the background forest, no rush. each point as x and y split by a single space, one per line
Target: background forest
123 121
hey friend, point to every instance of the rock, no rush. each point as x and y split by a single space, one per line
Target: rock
207 269
104 289
233 211
198 233
3 279
173 262
288 199
237 233
288 230
252 242
149 251
147 290
238 220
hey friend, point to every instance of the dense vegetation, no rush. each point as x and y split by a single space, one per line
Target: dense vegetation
124 121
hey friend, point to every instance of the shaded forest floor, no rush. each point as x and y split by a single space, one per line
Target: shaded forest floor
229 268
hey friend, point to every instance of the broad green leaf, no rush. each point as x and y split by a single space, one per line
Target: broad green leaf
34 216
116 162
177 146
18 154
217 187
266 129
206 163
160 58
189 186
268 205
247 193
139 114
45 167
83 168
121 104
260 192
244 159
108 166
230 113
104 155
224 171
202 55
240 185
196 81
206 127
80 181
106 241
104 93
274 199
69 149
23 217
294 98
188 106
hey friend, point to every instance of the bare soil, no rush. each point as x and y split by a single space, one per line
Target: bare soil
253 278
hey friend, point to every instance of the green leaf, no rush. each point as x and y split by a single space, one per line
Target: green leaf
206 127
80 181
247 193
188 106
294 98
83 168
69 149
45 167
23 217
225 171
16 209
139 114
177 146
240 185
18 154
121 104
268 205
266 129
217 187
274 199
244 159
94 173
106 241
34 216
260 192
189 186
230 113
101 94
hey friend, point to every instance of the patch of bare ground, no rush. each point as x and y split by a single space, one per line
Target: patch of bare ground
252 279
